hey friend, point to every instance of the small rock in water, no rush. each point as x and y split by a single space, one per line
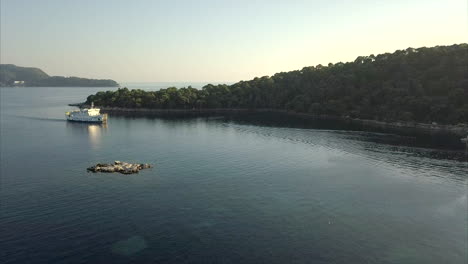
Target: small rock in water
119 166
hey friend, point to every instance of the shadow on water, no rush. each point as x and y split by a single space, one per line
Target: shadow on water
406 137
402 137
441 146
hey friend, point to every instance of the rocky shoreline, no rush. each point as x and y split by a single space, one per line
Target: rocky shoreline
119 166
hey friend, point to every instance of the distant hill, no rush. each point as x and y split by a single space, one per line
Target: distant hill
12 75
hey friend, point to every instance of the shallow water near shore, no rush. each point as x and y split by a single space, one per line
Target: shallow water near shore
244 189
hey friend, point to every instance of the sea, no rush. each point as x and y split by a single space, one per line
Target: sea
224 189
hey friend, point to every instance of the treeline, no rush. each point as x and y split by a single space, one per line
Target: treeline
424 85
59 81
9 73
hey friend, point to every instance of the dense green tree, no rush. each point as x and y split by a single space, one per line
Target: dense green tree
423 85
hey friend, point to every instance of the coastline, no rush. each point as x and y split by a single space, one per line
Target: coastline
410 127
56 86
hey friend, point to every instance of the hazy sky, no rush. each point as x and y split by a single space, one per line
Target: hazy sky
207 40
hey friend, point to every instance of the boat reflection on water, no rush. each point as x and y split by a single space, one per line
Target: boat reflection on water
94 132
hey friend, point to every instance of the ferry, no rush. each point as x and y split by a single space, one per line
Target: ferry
91 115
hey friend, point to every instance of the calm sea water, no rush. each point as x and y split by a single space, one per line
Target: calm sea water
223 191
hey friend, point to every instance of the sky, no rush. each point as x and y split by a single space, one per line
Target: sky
215 41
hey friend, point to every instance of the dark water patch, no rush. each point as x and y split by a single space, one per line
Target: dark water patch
413 137
129 246
386 135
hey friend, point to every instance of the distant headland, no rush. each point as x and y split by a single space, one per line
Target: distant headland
12 75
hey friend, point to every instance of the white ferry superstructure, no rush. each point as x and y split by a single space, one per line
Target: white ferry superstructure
92 115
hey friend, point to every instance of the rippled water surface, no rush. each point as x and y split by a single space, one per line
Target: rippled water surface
224 190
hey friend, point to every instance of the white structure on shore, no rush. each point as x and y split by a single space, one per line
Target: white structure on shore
87 115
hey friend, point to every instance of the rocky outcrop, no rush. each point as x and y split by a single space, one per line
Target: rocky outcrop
119 166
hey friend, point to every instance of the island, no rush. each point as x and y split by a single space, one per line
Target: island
423 87
119 166
13 76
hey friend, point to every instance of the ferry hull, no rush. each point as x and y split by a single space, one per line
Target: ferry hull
88 115
88 119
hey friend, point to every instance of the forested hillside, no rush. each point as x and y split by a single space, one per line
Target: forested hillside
423 85
10 73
